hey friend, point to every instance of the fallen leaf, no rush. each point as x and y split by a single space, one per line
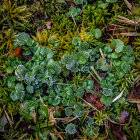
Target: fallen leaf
18 52
138 106
39 29
94 100
124 117
117 132
26 127
48 24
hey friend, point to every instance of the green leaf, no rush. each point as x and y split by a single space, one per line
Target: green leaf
114 55
89 132
68 111
30 89
111 1
76 41
97 33
71 128
102 4
9 70
118 45
66 59
106 100
107 91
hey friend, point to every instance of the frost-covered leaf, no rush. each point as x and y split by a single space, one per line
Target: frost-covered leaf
54 67
66 59
20 72
102 64
68 111
71 128
73 66
21 39
30 89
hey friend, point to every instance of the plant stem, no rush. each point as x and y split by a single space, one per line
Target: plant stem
96 73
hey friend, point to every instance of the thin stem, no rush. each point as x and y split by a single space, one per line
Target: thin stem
96 73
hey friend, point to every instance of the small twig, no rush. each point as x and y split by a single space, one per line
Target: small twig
73 20
89 104
8 118
119 123
22 136
5 54
1 74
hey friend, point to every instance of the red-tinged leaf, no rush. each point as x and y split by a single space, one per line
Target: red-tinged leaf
94 100
18 52
124 117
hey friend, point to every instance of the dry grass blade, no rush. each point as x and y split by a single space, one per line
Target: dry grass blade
128 4
129 34
127 21
66 119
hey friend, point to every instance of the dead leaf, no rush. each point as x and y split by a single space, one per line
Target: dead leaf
133 98
129 34
18 52
124 117
39 29
129 5
48 24
138 106
117 132
94 100
51 118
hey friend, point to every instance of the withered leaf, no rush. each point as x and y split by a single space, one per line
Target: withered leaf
124 117
94 100
18 52
48 24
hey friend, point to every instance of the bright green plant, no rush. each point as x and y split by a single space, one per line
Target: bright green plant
7 38
13 16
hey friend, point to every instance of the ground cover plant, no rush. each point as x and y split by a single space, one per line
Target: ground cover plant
69 69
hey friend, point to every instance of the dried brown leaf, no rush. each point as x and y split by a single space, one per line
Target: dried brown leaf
94 100
124 117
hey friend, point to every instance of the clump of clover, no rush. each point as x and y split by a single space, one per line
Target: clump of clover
33 76
122 58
